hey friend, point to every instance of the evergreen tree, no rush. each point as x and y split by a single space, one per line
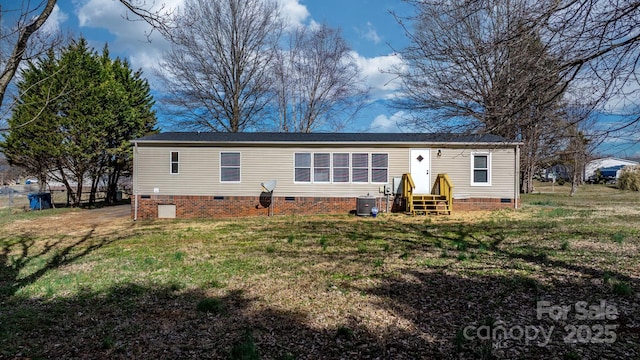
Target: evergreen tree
82 133
32 143
130 115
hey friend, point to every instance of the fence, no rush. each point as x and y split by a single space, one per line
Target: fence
17 196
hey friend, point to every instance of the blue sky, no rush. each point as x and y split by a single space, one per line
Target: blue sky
367 25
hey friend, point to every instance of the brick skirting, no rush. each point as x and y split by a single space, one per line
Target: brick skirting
239 206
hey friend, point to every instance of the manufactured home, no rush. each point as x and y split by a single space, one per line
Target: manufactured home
192 174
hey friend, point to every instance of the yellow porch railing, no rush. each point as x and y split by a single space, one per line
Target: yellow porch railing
407 192
440 200
444 187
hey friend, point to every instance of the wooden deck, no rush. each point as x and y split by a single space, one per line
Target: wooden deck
440 201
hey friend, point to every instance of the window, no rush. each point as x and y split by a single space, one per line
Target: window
360 168
379 168
321 167
302 167
174 163
341 168
481 169
230 167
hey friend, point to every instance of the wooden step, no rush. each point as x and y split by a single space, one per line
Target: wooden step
428 197
427 203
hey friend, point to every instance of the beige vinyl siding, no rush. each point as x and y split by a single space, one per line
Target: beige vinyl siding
199 172
457 163
195 170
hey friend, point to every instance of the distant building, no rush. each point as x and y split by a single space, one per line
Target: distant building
556 172
609 165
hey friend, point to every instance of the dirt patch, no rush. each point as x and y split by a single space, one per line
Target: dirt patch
106 220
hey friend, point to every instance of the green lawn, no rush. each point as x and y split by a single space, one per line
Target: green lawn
470 285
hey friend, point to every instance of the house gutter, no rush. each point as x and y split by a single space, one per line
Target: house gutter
135 181
329 143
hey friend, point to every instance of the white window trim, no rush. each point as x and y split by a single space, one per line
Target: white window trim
489 172
220 167
331 167
313 168
348 182
310 167
368 168
171 162
371 167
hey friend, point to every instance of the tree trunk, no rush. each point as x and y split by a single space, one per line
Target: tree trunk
71 198
94 189
528 171
574 184
78 197
112 186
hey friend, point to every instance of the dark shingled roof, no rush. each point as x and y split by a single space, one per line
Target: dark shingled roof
274 137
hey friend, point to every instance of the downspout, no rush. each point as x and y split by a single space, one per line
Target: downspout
135 182
516 186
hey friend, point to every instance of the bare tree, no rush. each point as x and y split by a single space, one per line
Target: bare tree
317 81
464 62
575 156
467 67
514 65
29 21
595 42
598 39
23 40
216 74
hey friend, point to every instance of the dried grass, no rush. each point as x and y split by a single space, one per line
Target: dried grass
380 288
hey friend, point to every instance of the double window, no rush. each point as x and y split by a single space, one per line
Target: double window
230 167
341 167
480 169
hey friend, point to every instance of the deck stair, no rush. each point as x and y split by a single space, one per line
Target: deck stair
440 201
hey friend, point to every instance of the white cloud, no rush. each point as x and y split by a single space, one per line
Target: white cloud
384 123
52 25
294 13
133 37
378 74
108 13
370 33
130 40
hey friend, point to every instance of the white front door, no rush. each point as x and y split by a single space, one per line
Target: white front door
420 168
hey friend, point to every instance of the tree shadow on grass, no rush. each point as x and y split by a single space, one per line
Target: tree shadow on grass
420 313
428 312
136 321
493 235
21 252
454 311
441 301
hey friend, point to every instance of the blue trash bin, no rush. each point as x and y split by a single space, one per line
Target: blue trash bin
39 201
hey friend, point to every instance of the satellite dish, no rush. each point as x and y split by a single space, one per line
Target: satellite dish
270 185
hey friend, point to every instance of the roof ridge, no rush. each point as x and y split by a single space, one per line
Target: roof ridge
443 137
